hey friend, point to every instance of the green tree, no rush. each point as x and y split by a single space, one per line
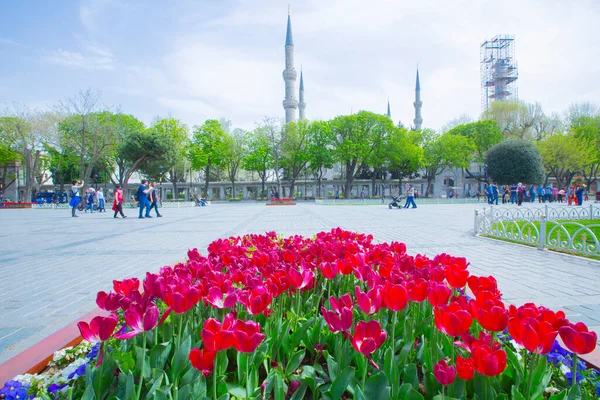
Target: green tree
237 147
63 164
515 160
294 150
587 128
174 164
565 155
444 151
515 119
404 155
7 156
208 148
357 138
26 132
320 151
258 158
123 164
143 150
483 134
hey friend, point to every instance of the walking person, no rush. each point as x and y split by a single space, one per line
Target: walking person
579 195
142 197
100 198
495 193
520 194
75 197
118 202
410 196
154 199
513 194
540 193
532 192
548 194
89 205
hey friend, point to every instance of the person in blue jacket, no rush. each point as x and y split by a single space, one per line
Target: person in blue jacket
540 193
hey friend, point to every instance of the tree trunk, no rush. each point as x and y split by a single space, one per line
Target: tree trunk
206 180
373 184
292 187
348 187
233 196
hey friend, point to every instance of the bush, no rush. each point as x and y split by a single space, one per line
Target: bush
514 161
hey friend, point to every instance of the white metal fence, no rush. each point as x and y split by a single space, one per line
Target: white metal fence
387 200
545 227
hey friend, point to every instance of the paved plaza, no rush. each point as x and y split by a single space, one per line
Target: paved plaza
52 265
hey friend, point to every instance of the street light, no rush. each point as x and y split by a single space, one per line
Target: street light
382 187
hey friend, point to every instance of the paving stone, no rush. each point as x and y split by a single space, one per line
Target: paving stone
52 265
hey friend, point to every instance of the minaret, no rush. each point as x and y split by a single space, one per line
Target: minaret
289 76
389 113
302 104
418 104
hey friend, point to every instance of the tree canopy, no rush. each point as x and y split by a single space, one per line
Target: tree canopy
514 160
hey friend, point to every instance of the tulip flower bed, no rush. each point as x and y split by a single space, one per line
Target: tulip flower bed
285 201
331 317
16 204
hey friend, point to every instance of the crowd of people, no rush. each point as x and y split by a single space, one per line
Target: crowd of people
147 197
519 193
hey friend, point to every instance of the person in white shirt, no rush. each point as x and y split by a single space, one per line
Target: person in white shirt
100 198
410 196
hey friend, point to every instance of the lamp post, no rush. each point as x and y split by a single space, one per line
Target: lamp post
305 186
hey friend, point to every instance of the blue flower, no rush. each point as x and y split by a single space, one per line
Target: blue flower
93 352
55 388
14 390
80 371
578 377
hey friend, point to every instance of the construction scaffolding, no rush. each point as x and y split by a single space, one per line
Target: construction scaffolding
498 70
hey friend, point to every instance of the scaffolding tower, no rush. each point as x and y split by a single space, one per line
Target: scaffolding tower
498 70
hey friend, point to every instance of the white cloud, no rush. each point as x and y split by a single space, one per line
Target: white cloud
9 42
93 56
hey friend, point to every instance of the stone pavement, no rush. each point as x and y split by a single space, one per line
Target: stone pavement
52 266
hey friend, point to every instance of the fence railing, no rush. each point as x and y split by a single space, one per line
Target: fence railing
387 200
547 227
108 205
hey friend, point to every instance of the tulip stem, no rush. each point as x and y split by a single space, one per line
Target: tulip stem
214 376
141 381
99 378
443 391
247 377
532 360
364 377
574 370
392 380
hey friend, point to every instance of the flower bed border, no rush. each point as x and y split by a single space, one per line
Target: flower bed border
35 358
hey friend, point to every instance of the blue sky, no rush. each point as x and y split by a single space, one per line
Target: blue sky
200 59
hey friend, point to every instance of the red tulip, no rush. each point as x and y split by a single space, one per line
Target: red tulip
181 297
217 336
126 286
528 328
578 338
139 319
489 312
258 300
452 319
218 299
489 361
483 283
457 276
417 289
465 368
329 270
368 337
203 360
99 330
444 373
340 319
369 302
109 301
247 336
301 280
154 285
395 296
439 294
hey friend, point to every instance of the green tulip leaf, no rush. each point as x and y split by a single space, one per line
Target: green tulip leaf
377 387
407 392
299 394
159 355
559 396
295 362
181 359
340 383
